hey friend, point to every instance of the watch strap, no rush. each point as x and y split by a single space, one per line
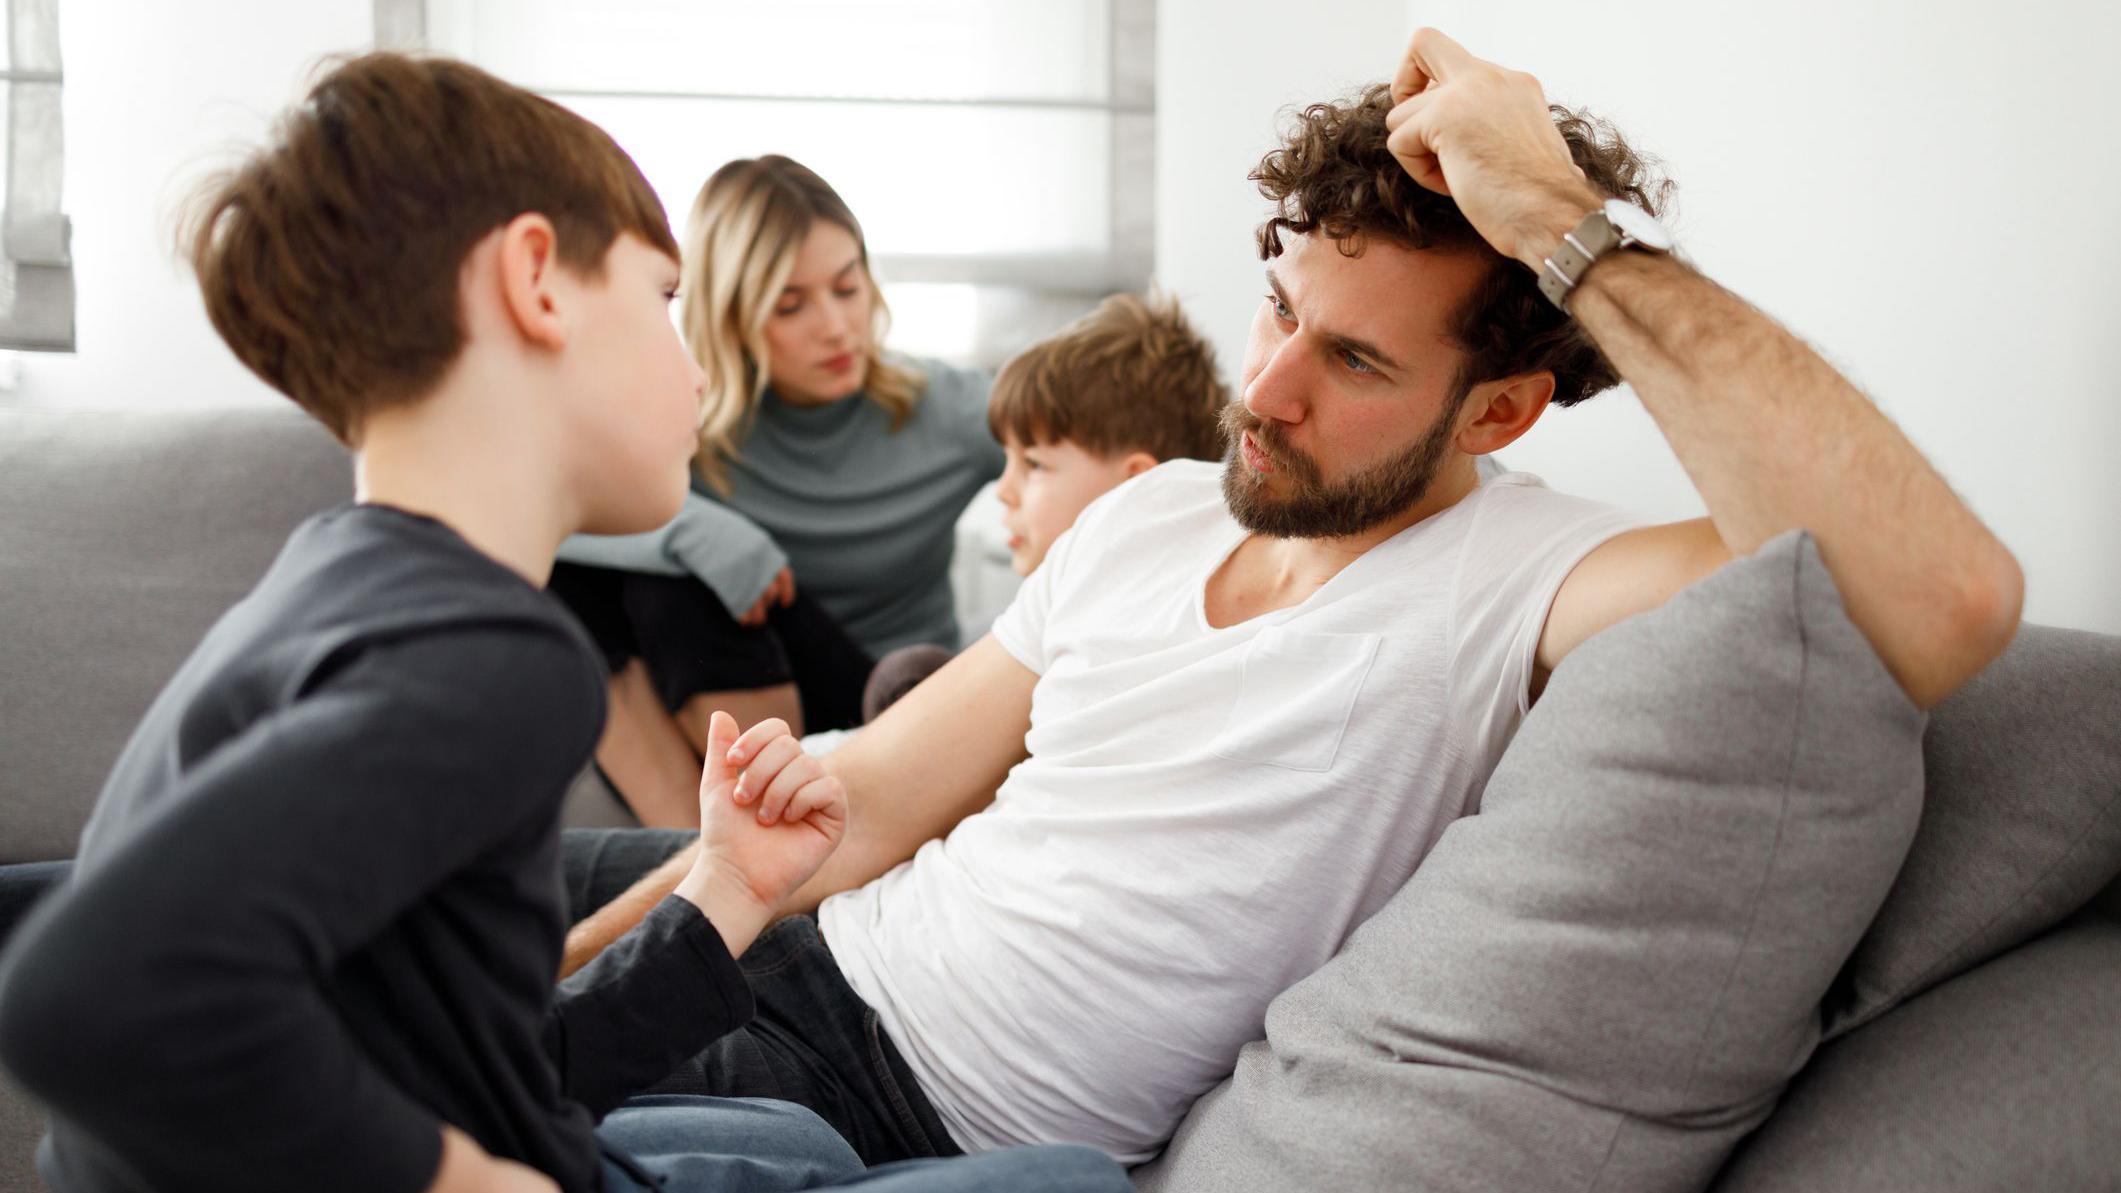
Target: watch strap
1592 238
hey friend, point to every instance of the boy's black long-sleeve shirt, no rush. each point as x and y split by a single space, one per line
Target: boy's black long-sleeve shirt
318 909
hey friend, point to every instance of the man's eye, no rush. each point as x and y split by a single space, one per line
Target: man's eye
1280 311
1356 363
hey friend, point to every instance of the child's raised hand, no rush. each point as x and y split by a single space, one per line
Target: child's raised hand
768 812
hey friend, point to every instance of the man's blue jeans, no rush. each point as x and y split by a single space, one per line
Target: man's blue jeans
674 1143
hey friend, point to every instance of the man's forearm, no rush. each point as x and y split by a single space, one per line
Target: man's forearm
856 864
1774 438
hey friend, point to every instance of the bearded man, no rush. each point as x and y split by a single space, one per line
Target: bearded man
1227 717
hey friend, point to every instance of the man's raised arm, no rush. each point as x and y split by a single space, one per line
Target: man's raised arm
929 761
1770 434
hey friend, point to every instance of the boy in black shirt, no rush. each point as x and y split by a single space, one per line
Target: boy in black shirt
310 938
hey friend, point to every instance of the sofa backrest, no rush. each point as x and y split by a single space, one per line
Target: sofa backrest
126 532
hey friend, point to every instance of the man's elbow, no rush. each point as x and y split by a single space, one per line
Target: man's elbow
1978 617
1992 605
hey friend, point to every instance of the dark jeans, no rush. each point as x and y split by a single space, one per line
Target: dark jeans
600 863
813 1042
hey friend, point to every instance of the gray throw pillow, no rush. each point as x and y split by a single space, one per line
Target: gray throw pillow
1604 979
2001 1080
2021 824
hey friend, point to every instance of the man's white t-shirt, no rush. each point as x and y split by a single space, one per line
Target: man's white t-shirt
1206 814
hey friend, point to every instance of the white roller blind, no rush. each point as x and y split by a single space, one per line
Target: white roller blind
997 152
36 261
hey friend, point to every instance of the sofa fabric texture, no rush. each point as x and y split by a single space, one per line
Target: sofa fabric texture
1604 979
2005 1081
2021 824
127 533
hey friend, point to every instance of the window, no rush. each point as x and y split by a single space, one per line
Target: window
36 264
998 153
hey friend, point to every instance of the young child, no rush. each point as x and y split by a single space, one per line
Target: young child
312 931
1112 395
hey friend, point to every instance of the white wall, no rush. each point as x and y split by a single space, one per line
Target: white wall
157 92
1924 191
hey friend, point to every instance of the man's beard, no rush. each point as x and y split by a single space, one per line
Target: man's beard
1318 509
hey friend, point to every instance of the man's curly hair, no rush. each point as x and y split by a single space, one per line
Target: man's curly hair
1334 175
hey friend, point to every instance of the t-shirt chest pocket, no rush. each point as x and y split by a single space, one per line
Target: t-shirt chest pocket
1295 698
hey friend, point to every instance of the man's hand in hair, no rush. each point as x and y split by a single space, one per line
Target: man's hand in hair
1482 134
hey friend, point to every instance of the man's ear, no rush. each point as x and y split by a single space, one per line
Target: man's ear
1137 463
529 261
1496 413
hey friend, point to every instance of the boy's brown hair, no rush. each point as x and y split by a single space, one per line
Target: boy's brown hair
1334 175
1131 375
330 259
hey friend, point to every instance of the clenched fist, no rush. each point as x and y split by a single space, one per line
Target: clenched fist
769 814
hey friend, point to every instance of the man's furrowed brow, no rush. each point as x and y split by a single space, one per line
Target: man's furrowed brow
1365 348
1354 344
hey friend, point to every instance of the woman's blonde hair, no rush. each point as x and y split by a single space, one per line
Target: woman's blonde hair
747 224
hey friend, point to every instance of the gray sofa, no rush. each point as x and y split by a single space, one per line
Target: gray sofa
1974 1043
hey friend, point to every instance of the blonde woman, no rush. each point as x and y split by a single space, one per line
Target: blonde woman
829 479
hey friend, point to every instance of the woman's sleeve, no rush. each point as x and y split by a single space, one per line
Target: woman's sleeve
707 540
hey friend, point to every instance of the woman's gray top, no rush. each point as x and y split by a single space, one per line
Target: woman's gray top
864 515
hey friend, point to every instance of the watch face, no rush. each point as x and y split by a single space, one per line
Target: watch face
1638 225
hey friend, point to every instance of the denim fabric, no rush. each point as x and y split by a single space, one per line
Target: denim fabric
816 1043
729 1145
600 863
675 1144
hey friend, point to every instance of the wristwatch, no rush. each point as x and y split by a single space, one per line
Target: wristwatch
1617 225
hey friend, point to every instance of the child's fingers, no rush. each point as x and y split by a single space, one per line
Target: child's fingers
784 786
721 735
824 796
765 767
746 747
